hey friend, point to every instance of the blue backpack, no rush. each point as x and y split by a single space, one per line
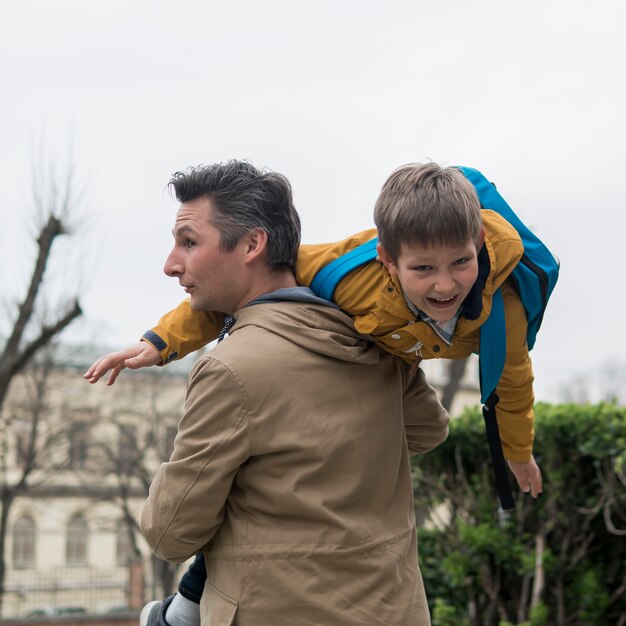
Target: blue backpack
534 278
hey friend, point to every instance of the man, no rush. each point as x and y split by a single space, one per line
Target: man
290 471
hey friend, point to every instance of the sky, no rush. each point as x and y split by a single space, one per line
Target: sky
335 95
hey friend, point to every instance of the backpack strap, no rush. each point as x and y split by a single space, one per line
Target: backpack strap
492 355
492 347
327 279
497 456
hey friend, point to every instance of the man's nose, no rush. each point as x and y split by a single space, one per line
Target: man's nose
173 267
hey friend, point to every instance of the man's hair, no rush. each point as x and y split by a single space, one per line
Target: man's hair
243 198
426 204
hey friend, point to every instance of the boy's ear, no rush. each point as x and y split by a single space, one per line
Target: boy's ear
385 257
481 239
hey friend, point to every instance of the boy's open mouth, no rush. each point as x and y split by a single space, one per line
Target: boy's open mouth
442 303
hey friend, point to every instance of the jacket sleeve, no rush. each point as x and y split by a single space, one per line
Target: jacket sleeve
514 411
425 419
186 501
183 330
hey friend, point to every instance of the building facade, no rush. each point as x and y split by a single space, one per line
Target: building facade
75 465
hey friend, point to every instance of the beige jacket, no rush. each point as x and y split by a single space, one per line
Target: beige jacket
291 473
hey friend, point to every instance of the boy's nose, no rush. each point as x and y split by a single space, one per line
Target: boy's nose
444 283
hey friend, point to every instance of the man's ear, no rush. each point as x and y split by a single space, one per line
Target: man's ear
385 257
255 244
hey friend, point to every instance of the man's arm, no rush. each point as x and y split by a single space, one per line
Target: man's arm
425 419
187 498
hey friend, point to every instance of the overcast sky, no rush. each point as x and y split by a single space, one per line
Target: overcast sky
334 95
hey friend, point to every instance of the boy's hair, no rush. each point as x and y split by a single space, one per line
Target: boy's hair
243 198
426 204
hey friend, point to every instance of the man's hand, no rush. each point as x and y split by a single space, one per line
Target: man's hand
139 355
528 476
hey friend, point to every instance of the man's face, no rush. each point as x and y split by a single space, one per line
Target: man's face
436 279
211 277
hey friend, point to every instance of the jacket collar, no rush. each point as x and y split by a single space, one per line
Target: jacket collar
473 303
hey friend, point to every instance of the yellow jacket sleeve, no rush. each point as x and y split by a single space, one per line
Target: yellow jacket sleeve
515 389
183 330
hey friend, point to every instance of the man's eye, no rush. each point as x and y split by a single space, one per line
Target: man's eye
189 243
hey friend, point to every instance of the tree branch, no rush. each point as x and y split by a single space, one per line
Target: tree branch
46 334
608 521
46 238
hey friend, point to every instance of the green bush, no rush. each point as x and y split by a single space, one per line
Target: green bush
480 566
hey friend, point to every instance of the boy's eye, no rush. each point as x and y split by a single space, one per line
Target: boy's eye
462 261
422 268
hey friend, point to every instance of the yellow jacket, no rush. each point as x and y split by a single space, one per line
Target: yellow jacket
374 299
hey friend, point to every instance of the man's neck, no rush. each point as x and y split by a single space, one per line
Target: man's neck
267 282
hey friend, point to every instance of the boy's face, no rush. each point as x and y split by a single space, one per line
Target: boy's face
436 279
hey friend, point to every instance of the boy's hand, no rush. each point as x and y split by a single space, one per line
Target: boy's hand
139 355
528 476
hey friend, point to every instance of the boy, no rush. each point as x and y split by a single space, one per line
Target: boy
442 258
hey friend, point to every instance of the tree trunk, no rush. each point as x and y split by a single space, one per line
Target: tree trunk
164 574
15 355
456 369
560 603
523 599
7 501
539 580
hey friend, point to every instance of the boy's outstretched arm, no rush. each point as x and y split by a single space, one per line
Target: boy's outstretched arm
179 332
134 357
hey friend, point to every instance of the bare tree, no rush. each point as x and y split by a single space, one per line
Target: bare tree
37 442
142 426
31 332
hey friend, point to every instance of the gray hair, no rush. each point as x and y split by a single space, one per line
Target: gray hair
244 198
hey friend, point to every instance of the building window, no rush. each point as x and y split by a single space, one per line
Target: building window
123 548
78 445
76 541
128 454
24 543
